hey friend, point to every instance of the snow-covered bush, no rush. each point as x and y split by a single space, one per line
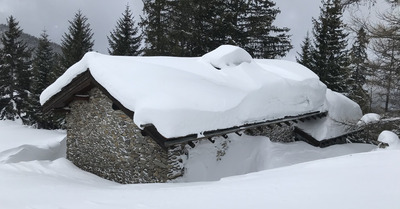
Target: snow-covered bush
389 138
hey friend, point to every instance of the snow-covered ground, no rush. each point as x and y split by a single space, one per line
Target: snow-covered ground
35 174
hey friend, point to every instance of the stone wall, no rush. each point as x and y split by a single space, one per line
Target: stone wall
107 143
283 133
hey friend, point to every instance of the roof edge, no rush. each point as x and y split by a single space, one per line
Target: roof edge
81 83
65 95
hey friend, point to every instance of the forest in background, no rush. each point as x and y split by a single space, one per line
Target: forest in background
366 69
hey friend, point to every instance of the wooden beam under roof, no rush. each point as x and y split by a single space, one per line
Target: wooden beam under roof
207 134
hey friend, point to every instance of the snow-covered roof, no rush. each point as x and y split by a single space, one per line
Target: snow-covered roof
182 96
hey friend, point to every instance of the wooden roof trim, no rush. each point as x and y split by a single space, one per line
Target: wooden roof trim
80 84
167 142
65 96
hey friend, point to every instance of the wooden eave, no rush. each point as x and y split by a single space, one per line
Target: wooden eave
348 137
81 84
167 142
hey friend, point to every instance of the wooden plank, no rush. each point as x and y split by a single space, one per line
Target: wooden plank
303 136
80 83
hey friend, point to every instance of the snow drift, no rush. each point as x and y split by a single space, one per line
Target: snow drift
366 180
343 115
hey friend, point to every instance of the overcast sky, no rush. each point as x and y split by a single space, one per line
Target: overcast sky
52 15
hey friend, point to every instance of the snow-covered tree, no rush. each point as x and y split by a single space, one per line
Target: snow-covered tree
125 39
77 41
15 73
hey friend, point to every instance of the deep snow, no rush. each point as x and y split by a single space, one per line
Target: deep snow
296 176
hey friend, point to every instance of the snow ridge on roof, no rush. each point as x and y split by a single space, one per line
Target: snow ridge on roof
227 55
182 96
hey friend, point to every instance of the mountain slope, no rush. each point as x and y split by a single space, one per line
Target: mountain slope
31 41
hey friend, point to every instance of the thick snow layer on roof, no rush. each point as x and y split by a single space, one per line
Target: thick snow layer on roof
343 115
182 96
227 55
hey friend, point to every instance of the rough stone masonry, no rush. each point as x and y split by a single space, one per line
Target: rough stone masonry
106 142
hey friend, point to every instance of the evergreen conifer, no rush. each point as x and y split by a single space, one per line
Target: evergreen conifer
124 39
15 73
77 41
359 70
330 55
156 22
265 40
193 28
44 65
305 57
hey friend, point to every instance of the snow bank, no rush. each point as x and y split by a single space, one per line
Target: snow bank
364 180
390 138
182 96
238 155
22 143
367 181
343 115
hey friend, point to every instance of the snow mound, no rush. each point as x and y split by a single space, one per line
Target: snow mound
343 115
239 155
30 153
20 143
390 138
227 56
13 135
369 118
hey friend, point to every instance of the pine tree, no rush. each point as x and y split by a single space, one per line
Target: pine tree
330 55
15 73
208 32
305 57
358 67
155 22
265 40
124 39
234 15
44 64
181 23
77 41
193 28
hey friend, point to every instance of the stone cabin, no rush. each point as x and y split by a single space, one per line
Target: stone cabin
104 138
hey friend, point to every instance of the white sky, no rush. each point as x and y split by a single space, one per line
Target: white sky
53 15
